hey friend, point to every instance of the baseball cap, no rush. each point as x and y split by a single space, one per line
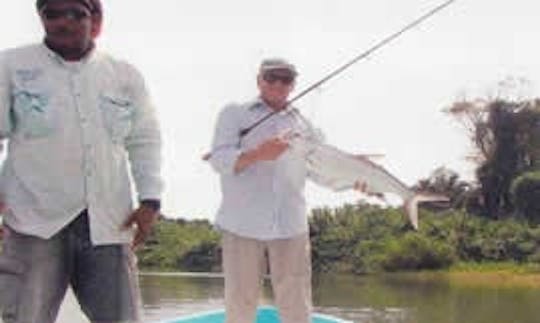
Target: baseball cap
271 64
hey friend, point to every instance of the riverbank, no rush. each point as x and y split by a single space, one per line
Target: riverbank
498 274
501 275
473 275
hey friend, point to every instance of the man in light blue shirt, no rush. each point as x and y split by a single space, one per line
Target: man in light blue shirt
80 125
263 207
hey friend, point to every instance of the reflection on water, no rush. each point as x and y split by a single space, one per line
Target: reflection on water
397 298
171 296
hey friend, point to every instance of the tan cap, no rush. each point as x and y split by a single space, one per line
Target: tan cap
270 64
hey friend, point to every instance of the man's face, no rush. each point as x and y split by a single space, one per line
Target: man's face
67 24
275 86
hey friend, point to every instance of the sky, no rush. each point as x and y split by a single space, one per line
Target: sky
197 56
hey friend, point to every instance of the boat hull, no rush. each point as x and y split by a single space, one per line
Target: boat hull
264 315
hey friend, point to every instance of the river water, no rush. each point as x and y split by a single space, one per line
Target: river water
395 298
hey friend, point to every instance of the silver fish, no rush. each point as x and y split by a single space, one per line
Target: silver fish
339 170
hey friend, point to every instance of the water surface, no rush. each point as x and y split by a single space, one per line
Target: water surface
395 298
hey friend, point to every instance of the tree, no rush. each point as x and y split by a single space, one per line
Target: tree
506 137
446 182
526 195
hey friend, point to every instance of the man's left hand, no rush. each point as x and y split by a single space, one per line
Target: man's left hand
362 187
143 218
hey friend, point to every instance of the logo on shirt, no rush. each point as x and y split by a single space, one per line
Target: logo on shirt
28 75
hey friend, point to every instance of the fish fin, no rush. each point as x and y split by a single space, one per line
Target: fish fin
411 205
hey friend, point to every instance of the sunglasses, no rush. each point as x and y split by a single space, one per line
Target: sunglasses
71 14
272 78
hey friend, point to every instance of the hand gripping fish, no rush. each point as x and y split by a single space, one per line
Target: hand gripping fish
338 170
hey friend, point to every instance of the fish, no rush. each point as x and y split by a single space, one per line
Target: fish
339 170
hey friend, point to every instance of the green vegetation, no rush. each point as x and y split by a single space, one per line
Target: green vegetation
367 239
525 191
505 135
181 246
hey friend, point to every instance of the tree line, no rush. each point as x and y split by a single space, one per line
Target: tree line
361 238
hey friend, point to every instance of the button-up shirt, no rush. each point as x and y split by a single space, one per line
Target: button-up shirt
266 200
77 132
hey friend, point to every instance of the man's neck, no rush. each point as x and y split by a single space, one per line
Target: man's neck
275 106
69 54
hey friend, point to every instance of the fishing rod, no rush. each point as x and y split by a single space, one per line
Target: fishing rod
339 70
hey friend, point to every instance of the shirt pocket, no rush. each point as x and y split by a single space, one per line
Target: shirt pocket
117 112
32 114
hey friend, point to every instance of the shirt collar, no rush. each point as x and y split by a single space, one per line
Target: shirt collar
61 61
256 104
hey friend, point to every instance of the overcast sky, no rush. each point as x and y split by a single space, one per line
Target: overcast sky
199 55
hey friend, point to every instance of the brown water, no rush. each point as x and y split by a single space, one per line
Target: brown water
396 298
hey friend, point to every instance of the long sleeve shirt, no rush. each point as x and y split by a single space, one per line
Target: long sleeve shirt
266 200
77 132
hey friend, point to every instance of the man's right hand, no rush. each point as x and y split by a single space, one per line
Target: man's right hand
271 149
267 151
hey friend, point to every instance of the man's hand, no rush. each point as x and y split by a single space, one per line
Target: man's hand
271 149
267 151
143 218
362 187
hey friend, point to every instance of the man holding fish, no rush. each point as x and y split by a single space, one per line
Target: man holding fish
263 209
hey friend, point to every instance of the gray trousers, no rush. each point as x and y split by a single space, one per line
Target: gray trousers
35 274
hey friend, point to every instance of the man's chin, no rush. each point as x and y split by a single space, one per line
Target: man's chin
66 46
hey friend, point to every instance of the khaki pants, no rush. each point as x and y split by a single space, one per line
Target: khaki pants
290 272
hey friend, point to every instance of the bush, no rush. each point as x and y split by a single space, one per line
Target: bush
525 192
368 257
362 239
416 252
181 245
